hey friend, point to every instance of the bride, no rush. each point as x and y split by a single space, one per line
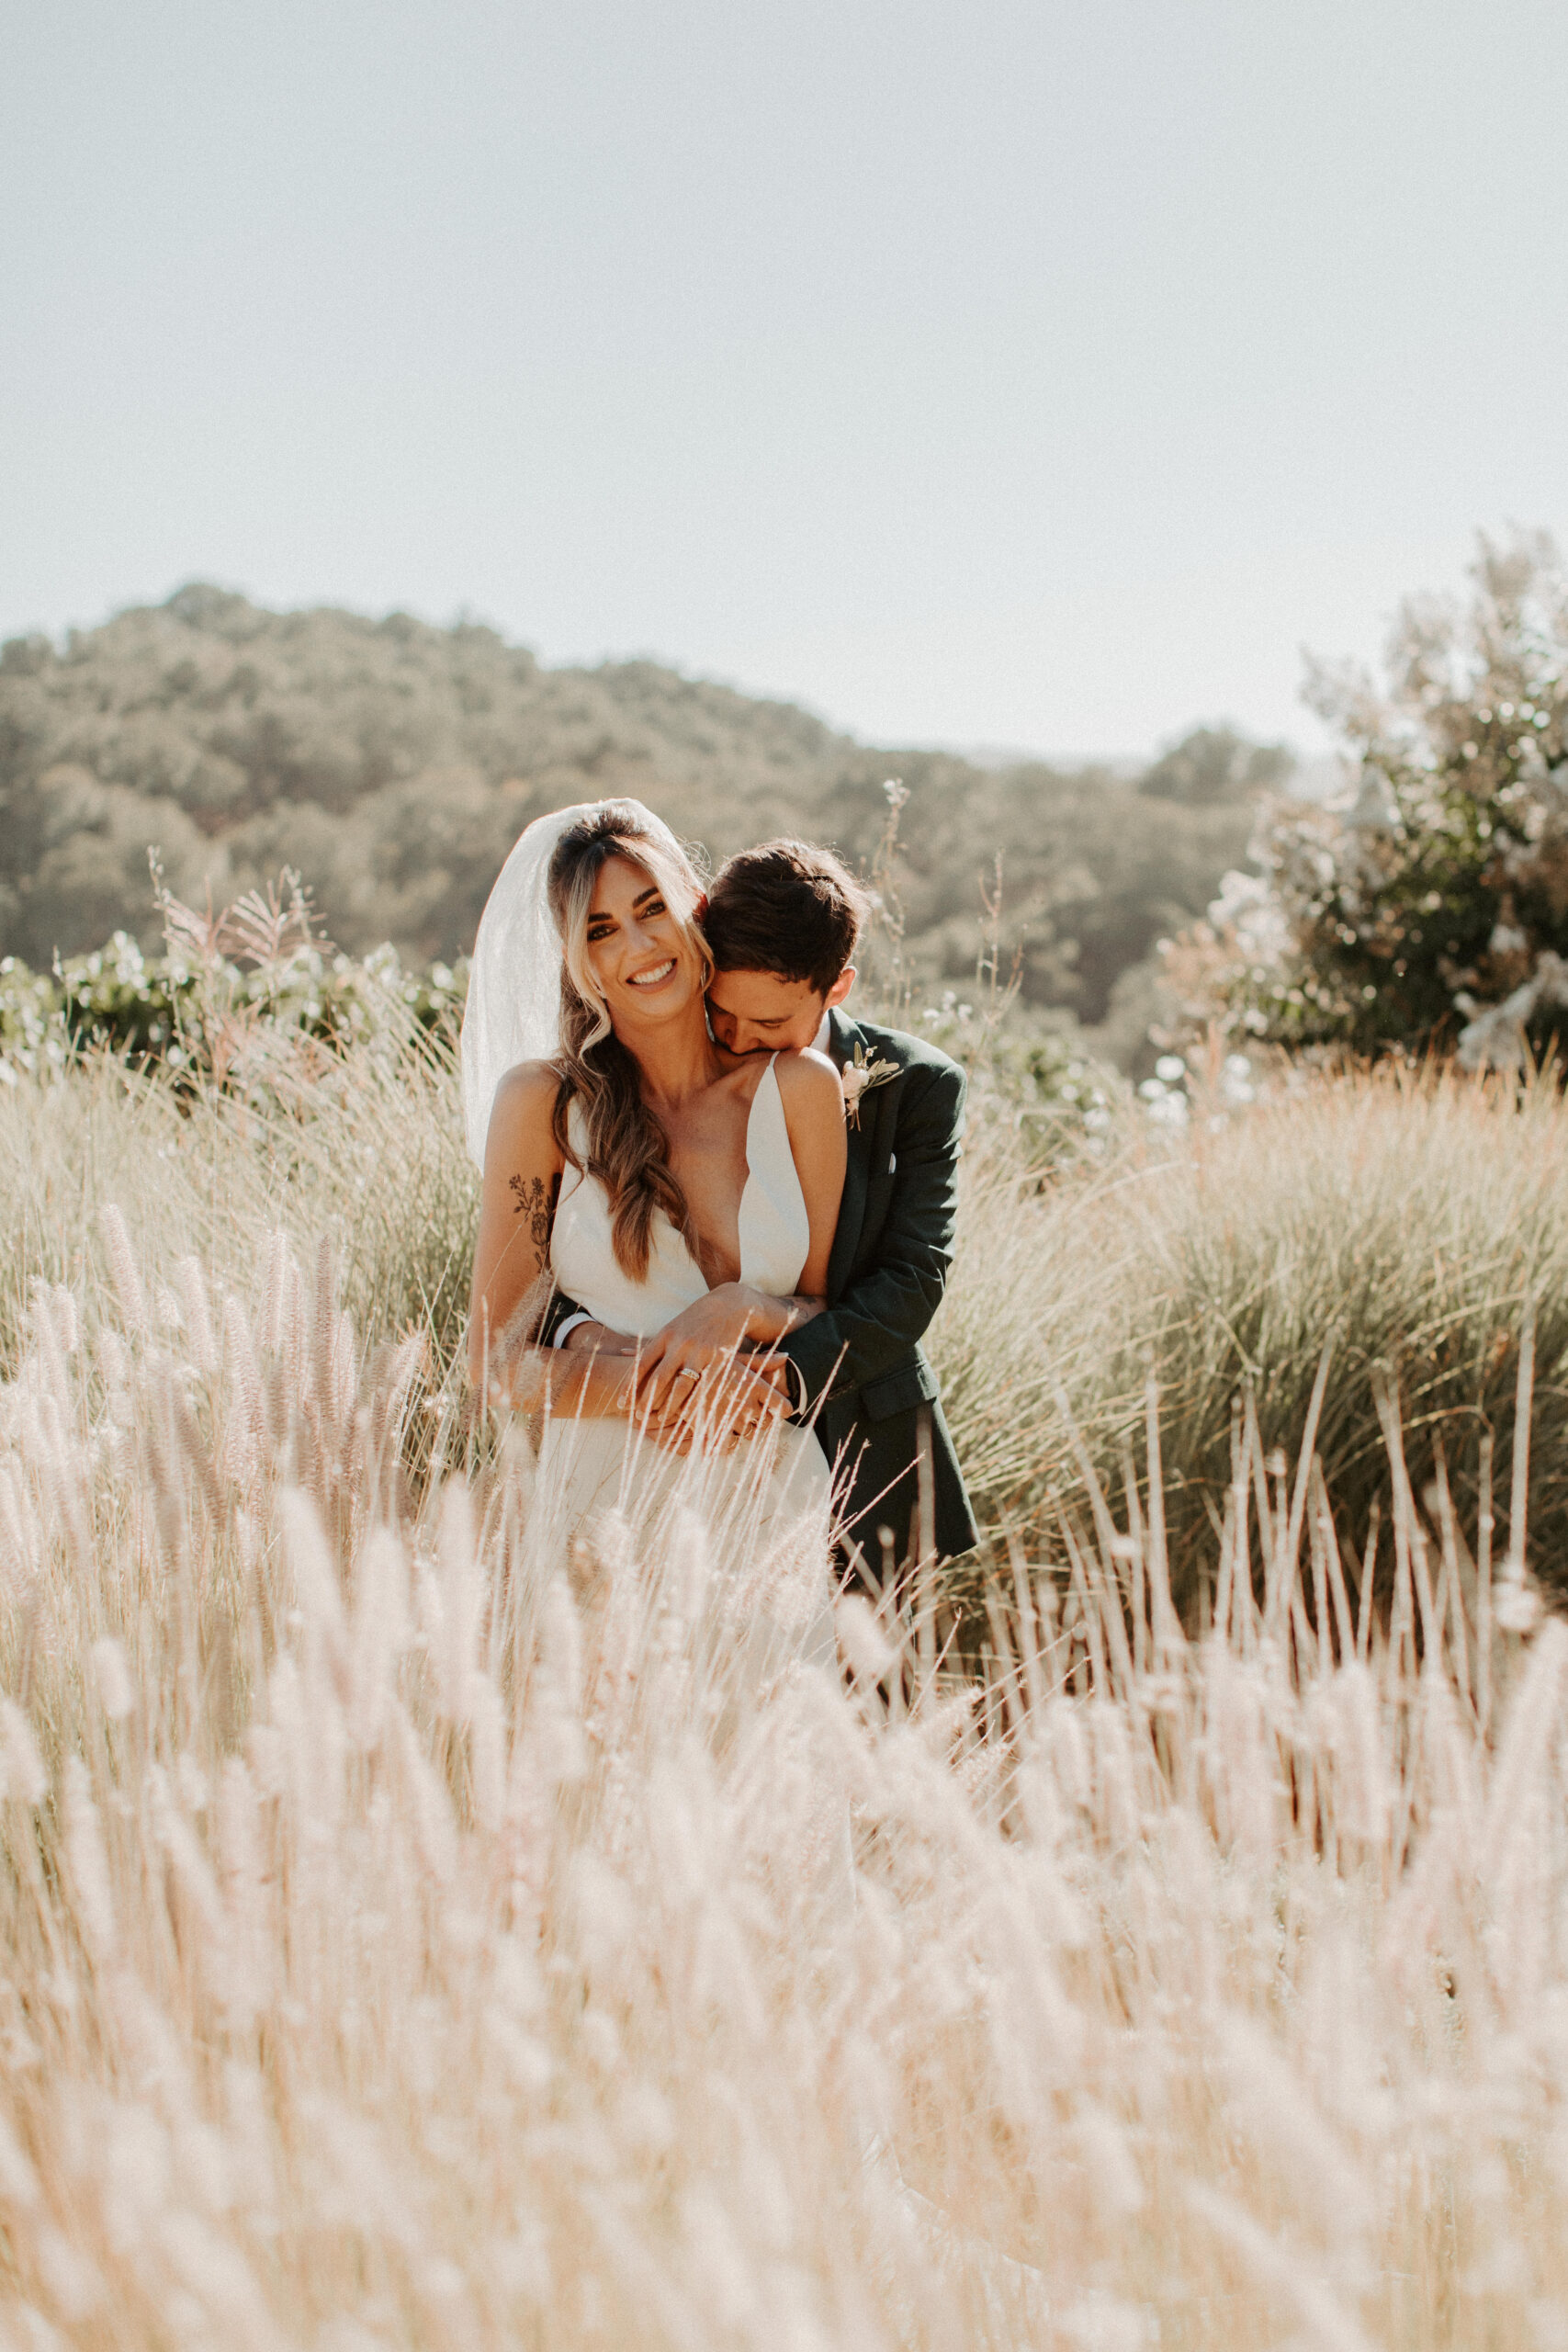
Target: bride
628 1163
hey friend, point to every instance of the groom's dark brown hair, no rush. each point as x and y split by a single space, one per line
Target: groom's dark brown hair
785 906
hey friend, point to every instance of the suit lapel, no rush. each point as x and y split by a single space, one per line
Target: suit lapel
843 1037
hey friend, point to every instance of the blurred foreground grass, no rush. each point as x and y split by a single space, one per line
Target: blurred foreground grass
409 1938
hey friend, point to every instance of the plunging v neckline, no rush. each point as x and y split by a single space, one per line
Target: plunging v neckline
769 1075
774 1228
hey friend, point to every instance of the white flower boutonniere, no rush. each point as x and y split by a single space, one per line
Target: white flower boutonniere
858 1077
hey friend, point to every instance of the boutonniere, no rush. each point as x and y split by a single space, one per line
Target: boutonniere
858 1077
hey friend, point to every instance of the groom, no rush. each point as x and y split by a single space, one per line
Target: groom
784 922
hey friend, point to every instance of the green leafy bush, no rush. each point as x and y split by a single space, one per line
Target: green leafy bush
214 1016
1430 912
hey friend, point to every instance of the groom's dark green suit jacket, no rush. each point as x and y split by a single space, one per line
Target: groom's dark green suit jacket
862 1370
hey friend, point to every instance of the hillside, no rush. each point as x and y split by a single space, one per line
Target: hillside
394 764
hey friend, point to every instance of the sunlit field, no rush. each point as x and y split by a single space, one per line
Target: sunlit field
416 1936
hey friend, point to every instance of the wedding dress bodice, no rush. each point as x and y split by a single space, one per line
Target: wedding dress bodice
775 1231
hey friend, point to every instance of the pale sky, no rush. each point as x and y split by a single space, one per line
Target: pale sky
977 371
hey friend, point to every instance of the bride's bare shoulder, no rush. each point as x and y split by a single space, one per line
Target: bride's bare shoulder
809 1083
525 1100
526 1084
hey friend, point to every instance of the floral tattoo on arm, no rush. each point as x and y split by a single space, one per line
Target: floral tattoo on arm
537 1203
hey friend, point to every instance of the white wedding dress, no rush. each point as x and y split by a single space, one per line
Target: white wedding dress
704 1581
764 1506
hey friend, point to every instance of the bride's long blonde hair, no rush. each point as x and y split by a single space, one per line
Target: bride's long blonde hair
627 1150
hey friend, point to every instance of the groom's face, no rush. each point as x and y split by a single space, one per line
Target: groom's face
762 1012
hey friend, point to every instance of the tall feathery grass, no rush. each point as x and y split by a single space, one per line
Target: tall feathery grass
1403 1229
415 1935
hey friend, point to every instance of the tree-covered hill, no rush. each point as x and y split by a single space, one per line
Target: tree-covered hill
393 764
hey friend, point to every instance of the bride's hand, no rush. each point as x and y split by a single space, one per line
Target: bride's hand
755 1402
716 1408
599 1339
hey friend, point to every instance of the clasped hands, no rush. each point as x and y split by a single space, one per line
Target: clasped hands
711 1377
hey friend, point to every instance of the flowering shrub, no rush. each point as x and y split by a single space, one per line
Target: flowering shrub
30 1026
1062 1102
1429 910
211 1015
1025 1073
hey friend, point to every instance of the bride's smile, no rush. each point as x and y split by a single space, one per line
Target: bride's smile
639 956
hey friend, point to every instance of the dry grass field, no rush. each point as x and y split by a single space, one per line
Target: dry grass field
410 1940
